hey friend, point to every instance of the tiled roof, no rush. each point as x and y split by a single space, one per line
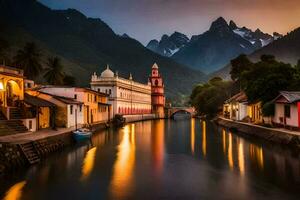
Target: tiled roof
36 101
290 96
239 97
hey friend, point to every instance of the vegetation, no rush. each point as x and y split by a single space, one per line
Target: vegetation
261 81
207 98
29 59
54 74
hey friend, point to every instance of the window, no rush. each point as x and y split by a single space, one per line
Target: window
75 96
95 98
71 109
156 82
30 124
80 108
287 111
109 91
98 89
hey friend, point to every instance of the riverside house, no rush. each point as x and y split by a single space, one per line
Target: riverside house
94 104
21 112
287 110
68 110
238 108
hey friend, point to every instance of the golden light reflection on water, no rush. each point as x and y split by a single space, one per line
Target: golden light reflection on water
204 138
158 142
88 163
230 156
15 192
193 136
224 140
257 155
123 167
241 157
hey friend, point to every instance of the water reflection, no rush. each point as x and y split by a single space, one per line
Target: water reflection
256 156
224 140
123 167
15 192
158 143
193 136
241 156
230 154
204 138
88 163
153 160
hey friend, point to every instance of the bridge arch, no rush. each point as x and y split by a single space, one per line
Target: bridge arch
176 110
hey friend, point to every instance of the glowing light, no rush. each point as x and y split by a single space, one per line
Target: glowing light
230 159
256 155
15 192
1 84
224 140
123 167
193 136
241 157
88 163
204 138
158 146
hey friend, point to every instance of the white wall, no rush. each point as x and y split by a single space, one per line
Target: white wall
71 117
26 123
242 111
279 112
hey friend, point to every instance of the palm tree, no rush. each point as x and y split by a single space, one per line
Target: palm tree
29 59
54 74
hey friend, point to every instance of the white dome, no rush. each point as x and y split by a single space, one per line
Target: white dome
107 73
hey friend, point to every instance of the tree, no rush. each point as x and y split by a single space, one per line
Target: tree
54 74
240 65
208 98
266 78
28 59
69 80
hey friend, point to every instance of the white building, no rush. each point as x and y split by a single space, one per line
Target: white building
126 96
287 109
94 104
236 108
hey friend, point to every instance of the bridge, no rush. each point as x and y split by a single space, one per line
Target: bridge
172 111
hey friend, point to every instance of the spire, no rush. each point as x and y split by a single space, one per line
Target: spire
130 76
155 66
107 66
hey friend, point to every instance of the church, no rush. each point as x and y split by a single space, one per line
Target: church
129 97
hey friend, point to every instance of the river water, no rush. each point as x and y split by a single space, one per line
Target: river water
162 159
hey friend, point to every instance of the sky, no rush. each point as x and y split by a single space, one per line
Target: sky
150 19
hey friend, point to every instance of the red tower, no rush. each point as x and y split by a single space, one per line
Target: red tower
157 92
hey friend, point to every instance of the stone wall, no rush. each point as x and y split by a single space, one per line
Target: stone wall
272 135
12 157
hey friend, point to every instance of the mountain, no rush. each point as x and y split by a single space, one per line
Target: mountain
87 45
168 45
214 48
256 38
285 49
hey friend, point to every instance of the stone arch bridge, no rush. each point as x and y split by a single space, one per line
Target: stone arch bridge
172 111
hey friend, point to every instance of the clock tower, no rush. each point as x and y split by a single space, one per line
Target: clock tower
157 92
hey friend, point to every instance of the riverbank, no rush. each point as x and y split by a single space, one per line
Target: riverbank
274 135
23 149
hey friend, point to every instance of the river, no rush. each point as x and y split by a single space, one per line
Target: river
161 159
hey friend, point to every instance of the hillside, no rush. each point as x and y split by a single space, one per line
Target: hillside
286 49
87 45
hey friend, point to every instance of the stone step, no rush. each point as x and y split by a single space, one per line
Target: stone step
30 152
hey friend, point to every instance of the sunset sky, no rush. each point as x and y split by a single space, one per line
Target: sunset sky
148 19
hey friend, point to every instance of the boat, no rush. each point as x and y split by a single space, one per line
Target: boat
82 134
